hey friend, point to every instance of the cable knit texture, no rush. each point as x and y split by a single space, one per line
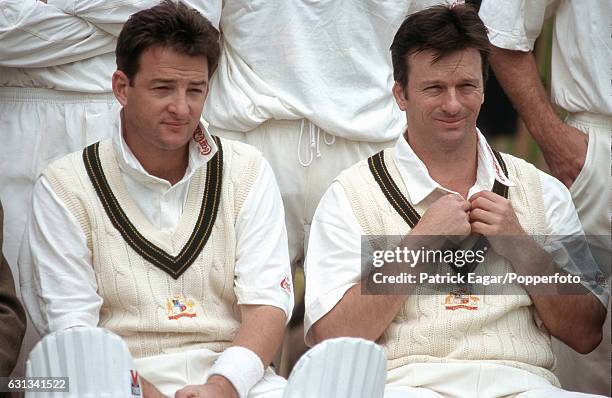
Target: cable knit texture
137 295
502 329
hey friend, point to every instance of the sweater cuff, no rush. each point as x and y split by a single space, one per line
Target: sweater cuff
241 366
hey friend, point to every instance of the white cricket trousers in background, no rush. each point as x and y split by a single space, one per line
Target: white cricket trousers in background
591 195
38 126
305 160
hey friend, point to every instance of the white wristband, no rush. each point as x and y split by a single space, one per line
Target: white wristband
241 366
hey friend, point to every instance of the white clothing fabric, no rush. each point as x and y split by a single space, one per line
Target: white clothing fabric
326 61
38 126
171 372
68 45
581 47
334 256
591 189
302 187
53 237
470 380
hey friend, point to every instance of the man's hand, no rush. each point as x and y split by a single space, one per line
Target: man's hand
216 387
446 216
492 215
149 390
567 156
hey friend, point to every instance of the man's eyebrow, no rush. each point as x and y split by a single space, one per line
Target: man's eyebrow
474 80
162 81
438 82
171 81
430 82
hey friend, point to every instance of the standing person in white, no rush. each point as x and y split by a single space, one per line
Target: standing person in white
307 83
577 149
168 236
441 179
56 63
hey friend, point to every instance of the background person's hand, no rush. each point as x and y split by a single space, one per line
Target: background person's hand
566 159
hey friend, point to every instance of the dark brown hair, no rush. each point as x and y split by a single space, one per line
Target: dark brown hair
166 25
443 30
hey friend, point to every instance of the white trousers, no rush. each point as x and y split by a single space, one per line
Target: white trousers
171 372
591 196
38 126
591 189
305 160
470 380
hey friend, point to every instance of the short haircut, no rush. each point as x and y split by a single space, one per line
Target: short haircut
443 30
166 25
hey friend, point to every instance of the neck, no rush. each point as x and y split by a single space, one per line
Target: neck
172 168
169 165
454 167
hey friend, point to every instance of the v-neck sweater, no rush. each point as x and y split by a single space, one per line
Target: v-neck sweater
140 298
502 329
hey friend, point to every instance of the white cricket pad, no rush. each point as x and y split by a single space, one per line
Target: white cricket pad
341 368
96 361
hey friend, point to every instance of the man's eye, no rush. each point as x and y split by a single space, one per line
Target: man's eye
161 88
196 90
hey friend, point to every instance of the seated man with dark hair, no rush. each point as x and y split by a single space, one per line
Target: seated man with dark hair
12 316
167 236
442 179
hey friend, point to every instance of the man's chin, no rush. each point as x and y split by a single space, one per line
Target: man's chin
452 138
173 143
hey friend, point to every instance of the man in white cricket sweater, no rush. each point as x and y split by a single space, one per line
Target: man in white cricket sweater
443 179
56 62
169 237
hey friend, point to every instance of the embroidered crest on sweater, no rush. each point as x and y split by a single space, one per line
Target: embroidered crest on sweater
460 299
180 307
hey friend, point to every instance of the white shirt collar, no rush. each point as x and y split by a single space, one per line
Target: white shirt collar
201 149
420 184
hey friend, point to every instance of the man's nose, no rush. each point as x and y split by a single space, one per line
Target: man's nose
180 104
451 104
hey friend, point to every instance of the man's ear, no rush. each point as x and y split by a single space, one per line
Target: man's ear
121 86
398 93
